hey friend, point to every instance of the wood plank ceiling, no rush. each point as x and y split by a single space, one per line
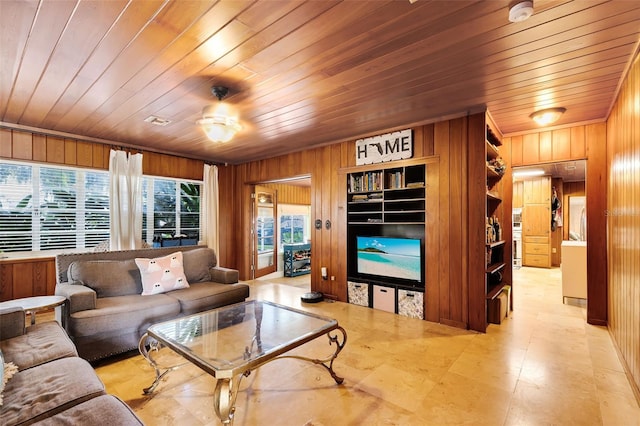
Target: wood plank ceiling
302 73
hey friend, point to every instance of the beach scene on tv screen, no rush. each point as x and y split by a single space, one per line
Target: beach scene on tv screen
389 257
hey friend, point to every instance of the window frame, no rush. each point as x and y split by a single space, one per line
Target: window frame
80 210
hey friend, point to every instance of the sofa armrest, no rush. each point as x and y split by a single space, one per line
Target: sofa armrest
223 275
79 297
12 323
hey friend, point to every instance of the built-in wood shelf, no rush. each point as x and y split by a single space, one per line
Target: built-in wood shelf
496 243
493 197
495 291
492 151
495 267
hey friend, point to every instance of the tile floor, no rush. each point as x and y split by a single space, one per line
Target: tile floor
542 366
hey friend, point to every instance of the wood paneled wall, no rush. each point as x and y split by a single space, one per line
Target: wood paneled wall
549 146
291 194
27 146
621 217
518 194
445 148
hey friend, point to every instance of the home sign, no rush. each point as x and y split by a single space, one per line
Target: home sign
387 147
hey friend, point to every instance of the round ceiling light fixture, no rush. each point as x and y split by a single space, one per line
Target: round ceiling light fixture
218 122
521 11
547 116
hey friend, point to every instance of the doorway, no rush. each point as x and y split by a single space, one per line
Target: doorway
552 187
264 241
289 222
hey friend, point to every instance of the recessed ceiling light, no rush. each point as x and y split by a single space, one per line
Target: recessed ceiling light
547 116
157 120
521 11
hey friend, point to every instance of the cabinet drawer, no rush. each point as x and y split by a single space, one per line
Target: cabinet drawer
538 260
536 240
532 248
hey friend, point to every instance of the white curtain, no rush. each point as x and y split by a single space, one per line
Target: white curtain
125 200
210 209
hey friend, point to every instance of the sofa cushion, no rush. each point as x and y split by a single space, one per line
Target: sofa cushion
162 274
42 342
203 296
12 323
197 263
102 410
117 315
40 392
107 277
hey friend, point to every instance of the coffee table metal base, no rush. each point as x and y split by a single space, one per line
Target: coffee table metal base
154 346
226 390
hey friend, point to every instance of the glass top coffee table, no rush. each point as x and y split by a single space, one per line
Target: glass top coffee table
230 342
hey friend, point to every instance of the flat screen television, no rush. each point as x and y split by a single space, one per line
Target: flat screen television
397 258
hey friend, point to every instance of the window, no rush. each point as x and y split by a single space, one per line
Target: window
58 208
52 208
294 222
292 229
170 207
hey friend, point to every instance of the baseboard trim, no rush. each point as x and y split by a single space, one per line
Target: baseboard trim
452 323
627 370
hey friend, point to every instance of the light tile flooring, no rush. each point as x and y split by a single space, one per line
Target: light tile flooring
542 366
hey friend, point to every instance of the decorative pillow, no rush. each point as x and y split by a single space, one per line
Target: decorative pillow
8 370
162 274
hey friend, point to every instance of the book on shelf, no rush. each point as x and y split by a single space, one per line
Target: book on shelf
395 180
415 184
368 181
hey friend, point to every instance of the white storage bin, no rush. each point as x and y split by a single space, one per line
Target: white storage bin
384 298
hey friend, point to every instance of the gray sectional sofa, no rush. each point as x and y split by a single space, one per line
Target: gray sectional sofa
106 313
52 386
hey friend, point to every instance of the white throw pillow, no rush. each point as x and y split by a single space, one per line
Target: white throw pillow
8 370
162 274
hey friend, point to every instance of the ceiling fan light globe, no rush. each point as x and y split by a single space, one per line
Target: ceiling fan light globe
217 124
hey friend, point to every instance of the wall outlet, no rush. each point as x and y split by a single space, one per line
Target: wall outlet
553 250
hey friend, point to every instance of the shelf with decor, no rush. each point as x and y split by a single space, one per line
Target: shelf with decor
495 244
396 195
297 259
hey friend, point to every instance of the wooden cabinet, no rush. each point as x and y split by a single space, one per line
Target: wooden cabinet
26 278
386 221
537 190
536 222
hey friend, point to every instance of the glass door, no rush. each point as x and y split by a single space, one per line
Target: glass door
265 247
